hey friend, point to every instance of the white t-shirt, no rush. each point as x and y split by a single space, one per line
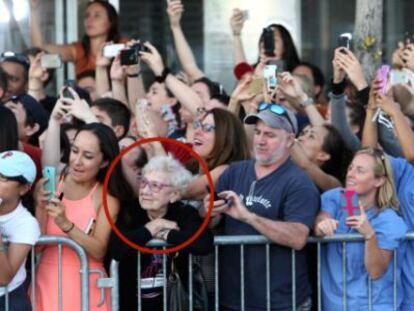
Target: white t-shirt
20 227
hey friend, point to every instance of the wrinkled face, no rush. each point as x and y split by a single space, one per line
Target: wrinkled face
361 175
270 145
88 84
311 139
279 45
155 191
204 136
86 157
96 21
17 82
202 90
157 96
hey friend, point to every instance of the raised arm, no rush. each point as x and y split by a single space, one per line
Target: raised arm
236 22
185 55
403 130
322 180
66 51
184 94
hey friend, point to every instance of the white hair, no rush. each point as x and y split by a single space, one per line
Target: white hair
179 177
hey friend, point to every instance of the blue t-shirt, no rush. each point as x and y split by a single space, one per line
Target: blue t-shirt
404 182
389 229
287 194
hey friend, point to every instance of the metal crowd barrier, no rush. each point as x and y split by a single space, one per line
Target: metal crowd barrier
220 241
110 282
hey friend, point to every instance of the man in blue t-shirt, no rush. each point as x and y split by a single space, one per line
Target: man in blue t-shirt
273 197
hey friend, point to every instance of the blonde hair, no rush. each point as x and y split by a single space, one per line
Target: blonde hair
386 195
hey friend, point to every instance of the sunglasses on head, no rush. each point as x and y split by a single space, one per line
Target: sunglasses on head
278 110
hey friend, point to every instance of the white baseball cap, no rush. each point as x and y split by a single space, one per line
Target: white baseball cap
17 164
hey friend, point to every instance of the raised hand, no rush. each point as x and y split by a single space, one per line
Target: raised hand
237 21
175 11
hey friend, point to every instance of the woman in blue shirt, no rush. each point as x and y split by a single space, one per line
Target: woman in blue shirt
370 176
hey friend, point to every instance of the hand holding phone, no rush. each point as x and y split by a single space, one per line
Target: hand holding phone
216 197
269 74
344 40
382 75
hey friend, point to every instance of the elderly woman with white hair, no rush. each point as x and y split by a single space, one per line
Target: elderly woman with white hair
159 215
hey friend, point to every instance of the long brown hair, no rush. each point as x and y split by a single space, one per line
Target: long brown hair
230 139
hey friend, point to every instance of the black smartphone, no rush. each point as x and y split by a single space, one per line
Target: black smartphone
66 92
216 197
268 41
344 40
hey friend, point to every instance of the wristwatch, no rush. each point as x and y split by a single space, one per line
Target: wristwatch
308 101
163 76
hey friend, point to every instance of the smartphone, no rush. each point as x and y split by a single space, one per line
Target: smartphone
90 226
112 50
268 42
51 61
49 172
344 40
66 92
216 197
256 86
269 74
398 77
246 15
350 202
280 65
382 74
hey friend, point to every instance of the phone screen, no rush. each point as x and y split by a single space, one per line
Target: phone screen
216 197
350 202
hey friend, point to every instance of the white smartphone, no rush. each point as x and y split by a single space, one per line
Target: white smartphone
51 61
398 77
112 50
269 73
90 226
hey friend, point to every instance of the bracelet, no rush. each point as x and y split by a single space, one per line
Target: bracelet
134 75
163 76
370 236
70 228
307 102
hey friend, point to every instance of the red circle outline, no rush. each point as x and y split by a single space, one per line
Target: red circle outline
105 192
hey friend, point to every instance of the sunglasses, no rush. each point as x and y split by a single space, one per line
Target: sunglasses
278 110
205 127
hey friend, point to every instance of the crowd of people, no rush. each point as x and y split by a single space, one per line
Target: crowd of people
289 156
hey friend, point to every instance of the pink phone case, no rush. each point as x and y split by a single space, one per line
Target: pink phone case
349 202
382 74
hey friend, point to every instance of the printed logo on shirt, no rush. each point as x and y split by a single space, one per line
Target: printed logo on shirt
252 199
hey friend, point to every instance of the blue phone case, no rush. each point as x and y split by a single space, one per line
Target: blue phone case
50 173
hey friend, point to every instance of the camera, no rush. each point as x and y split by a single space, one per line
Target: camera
131 56
268 42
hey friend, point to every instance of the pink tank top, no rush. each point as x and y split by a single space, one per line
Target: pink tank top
81 213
